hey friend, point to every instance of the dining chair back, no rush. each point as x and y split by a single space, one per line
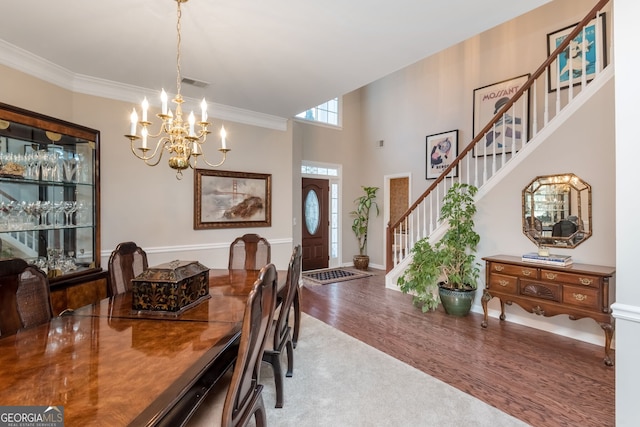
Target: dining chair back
244 396
25 298
126 262
281 333
249 252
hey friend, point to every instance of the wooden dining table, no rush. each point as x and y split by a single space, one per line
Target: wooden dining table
108 365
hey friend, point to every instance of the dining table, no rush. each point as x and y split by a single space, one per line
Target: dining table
106 364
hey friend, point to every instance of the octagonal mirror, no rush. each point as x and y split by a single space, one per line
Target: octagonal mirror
556 211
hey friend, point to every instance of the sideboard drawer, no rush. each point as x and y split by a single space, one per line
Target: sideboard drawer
571 278
508 284
580 296
515 270
548 291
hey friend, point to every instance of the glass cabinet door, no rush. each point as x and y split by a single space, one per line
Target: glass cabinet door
48 193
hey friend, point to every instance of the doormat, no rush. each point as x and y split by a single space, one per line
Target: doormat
333 275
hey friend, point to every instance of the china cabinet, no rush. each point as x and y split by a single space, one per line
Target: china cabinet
49 202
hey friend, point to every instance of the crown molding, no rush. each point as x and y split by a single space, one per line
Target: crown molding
26 62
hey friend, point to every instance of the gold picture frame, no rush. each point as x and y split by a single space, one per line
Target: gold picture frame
226 199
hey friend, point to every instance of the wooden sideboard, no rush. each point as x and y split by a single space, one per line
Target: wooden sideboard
579 290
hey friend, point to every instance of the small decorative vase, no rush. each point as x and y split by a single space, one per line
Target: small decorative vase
361 262
457 302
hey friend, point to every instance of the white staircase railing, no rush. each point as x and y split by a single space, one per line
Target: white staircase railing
547 93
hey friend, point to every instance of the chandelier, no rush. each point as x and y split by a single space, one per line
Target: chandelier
177 136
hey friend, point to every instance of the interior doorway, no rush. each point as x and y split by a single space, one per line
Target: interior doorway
397 198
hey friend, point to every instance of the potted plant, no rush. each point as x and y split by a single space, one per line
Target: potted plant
360 225
447 271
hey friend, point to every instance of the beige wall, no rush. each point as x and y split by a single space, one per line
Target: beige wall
147 204
431 96
328 145
436 95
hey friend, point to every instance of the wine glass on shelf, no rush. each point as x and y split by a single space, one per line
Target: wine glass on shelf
32 165
81 213
11 207
58 214
69 209
45 207
69 167
28 208
43 162
81 170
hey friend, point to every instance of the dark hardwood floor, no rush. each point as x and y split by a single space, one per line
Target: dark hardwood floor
538 377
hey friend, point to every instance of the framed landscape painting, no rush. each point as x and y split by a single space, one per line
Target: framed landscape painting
510 128
442 149
225 199
584 53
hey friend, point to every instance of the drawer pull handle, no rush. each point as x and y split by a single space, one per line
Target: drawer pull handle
499 268
551 276
580 297
586 281
526 272
503 283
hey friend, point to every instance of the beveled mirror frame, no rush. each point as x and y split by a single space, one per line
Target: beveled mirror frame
561 207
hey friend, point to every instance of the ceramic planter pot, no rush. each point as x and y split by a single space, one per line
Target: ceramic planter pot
457 302
361 262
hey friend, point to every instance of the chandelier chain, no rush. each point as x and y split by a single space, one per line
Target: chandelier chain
178 74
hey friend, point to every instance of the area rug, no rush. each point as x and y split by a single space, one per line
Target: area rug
332 275
339 381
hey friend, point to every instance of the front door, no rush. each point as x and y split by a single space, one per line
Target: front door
315 223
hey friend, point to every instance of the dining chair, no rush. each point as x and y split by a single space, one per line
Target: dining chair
243 397
281 338
126 262
25 297
249 252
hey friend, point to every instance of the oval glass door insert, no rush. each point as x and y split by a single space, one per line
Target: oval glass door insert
312 212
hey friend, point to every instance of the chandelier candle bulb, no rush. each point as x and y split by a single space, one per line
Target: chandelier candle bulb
144 139
203 106
223 136
163 98
145 108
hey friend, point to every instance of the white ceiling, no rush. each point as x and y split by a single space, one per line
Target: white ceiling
273 57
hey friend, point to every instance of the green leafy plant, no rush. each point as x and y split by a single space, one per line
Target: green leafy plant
361 214
421 276
450 262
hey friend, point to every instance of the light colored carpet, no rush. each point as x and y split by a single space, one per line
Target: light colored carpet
339 381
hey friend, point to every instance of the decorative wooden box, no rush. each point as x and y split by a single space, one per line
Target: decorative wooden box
171 287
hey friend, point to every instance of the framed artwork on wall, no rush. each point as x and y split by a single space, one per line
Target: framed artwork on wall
224 199
510 128
442 149
585 52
